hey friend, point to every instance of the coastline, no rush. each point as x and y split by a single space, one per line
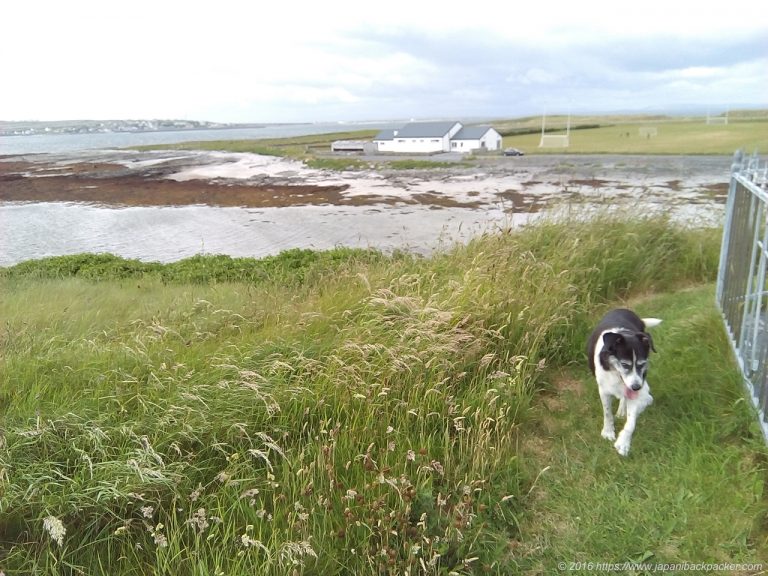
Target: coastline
182 178
166 205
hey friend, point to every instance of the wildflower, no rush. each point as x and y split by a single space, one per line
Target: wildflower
251 495
350 495
147 511
160 540
411 456
222 477
55 529
438 467
199 520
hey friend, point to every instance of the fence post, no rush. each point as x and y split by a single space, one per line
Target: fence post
738 158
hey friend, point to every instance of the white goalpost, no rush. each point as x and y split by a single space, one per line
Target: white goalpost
721 119
555 140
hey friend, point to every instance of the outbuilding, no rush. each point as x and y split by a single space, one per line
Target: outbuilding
351 146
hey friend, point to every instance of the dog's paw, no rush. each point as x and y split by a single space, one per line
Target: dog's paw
622 446
608 434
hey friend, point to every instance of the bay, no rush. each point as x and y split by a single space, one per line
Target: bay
57 143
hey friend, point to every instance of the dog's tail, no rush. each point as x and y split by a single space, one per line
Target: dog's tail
651 322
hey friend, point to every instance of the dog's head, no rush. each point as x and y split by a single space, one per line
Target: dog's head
627 353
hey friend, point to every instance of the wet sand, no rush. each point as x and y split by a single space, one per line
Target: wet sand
529 184
115 185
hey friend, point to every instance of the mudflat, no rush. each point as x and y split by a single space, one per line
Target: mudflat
114 185
528 184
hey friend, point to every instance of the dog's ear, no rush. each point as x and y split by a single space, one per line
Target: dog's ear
646 339
611 339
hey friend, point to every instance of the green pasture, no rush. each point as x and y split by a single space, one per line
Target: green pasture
654 136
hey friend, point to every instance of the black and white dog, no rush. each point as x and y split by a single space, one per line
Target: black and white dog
618 350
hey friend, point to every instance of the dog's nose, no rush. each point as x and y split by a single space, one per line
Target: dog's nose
636 386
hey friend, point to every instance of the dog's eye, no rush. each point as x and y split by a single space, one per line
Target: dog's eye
626 365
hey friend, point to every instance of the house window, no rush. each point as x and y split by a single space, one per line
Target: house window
453 144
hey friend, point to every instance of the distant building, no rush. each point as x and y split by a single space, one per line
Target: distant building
351 146
431 137
476 138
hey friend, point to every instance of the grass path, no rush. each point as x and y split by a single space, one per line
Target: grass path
693 488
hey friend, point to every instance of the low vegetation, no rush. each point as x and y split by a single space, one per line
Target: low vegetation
299 147
351 412
414 164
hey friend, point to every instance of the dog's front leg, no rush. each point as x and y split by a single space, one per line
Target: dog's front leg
608 431
625 436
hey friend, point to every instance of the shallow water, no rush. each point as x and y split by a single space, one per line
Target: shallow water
44 143
165 234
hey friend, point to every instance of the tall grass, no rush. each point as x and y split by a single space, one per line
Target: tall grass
358 419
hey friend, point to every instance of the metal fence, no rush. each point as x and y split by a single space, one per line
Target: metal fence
742 293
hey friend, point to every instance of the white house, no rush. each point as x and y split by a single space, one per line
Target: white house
475 138
430 137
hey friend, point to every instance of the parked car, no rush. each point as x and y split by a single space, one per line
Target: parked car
513 152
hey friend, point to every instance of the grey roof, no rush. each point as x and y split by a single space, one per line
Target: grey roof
471 132
425 129
388 134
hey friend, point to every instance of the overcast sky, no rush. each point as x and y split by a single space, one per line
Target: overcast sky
328 60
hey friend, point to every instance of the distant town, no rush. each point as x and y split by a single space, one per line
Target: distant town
30 128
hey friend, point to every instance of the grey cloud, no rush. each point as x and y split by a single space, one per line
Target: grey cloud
483 75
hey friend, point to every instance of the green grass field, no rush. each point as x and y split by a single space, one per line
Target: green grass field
355 413
670 137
